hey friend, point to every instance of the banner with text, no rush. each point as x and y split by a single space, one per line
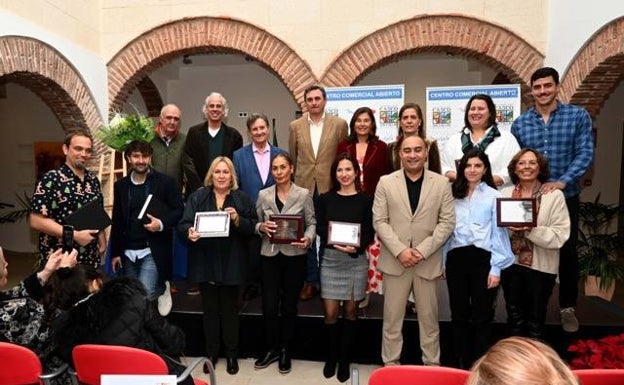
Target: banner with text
446 107
385 101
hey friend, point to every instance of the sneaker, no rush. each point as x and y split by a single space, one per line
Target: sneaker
164 301
568 320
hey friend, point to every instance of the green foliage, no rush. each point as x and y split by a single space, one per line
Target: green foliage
597 248
124 128
9 215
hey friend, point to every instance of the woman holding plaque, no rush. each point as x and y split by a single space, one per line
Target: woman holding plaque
372 157
528 283
474 256
288 228
345 224
217 256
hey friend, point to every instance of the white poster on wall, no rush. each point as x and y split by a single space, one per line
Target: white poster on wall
385 101
446 107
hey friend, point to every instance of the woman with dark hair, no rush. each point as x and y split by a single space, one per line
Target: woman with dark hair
481 131
528 283
283 264
474 256
344 266
92 310
411 123
218 263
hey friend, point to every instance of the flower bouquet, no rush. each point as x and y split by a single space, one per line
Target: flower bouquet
124 128
604 353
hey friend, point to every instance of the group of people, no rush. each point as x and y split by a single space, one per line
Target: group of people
414 227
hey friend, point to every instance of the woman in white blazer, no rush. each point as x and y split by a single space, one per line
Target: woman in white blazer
283 264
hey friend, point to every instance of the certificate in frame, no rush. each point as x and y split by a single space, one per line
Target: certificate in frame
211 224
289 228
518 212
343 233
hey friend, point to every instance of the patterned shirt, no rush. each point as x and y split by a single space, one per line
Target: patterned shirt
59 193
566 140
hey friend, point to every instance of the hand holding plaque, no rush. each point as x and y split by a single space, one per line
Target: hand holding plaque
516 212
212 224
343 233
288 228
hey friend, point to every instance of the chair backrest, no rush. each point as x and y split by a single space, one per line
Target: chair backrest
600 376
18 365
417 375
91 361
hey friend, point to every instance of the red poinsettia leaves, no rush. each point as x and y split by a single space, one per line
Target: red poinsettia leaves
605 353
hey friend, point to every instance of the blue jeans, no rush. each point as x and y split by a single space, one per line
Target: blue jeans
144 270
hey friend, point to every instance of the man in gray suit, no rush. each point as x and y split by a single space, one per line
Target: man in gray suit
413 214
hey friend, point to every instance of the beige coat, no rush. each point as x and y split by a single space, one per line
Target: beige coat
551 232
299 201
311 170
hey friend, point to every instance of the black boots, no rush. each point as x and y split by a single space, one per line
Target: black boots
331 334
346 343
284 364
270 357
339 341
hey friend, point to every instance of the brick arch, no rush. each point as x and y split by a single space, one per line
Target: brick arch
46 72
162 44
596 69
151 96
496 46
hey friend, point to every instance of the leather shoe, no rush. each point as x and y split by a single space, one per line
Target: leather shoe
213 361
284 364
269 358
232 365
308 291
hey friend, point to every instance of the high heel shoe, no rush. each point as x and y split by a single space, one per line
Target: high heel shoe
213 361
364 303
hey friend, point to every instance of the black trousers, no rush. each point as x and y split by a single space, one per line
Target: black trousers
254 262
526 298
568 261
471 302
220 306
282 280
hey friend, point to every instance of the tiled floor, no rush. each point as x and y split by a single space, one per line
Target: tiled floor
303 373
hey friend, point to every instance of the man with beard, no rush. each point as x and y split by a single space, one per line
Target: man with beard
142 246
563 134
61 192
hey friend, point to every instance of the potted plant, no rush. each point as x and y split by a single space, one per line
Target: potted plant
603 353
598 247
124 128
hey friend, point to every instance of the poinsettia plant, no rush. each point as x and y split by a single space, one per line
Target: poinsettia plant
603 353
124 128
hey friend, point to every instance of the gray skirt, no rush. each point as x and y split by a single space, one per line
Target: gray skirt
342 277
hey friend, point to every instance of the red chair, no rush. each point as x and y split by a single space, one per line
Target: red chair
417 375
91 361
20 366
600 376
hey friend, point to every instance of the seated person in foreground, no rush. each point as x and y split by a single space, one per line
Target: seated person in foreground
116 312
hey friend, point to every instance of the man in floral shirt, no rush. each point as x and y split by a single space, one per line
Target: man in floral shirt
62 191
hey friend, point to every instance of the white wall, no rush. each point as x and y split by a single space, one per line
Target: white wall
571 23
24 120
90 66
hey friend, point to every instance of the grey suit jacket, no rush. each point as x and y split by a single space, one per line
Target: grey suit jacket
299 201
426 230
310 169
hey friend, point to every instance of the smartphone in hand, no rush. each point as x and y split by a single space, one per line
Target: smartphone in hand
68 238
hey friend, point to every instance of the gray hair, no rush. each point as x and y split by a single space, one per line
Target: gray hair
223 101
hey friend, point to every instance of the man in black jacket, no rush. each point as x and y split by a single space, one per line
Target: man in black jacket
142 241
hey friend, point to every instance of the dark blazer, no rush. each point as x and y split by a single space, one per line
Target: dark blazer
221 260
195 159
164 188
376 162
249 179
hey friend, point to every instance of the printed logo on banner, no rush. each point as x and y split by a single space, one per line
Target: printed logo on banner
442 116
332 111
389 115
504 113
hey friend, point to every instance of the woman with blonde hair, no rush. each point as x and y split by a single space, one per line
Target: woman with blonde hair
218 263
521 361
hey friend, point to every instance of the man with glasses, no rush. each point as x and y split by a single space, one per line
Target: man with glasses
61 192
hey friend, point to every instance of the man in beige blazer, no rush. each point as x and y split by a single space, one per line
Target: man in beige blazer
313 143
413 214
